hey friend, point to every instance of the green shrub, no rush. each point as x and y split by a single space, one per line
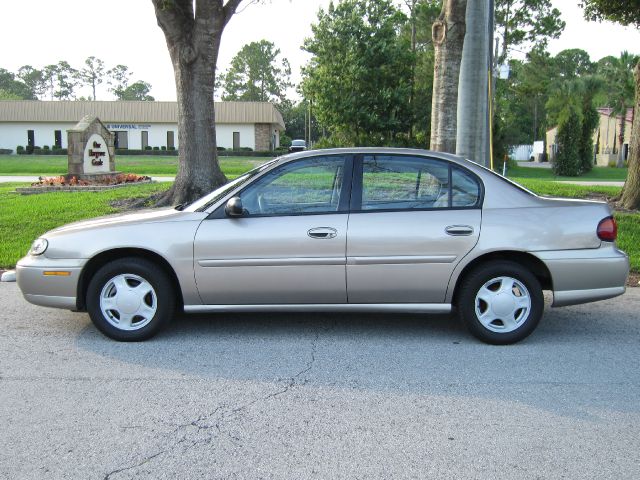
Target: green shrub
148 147
285 141
220 149
156 148
171 149
20 150
568 162
163 148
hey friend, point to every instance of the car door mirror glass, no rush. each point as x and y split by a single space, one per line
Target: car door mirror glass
234 207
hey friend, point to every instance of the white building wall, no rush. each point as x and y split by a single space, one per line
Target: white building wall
224 135
14 134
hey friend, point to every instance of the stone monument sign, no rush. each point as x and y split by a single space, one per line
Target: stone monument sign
91 151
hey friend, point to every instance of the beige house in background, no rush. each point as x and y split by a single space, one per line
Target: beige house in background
605 138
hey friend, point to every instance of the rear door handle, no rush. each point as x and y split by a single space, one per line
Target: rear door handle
459 230
322 232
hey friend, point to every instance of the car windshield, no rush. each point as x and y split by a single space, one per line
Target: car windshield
208 200
298 143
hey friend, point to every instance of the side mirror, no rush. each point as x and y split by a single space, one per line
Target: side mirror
234 208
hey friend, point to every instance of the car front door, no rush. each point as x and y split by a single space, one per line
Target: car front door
289 245
413 219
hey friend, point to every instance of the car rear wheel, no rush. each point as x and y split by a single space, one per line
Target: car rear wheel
500 302
130 299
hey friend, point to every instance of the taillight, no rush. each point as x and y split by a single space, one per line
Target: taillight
607 229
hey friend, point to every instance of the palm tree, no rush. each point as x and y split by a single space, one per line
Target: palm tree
618 75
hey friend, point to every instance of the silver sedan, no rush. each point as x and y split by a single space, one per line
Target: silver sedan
390 230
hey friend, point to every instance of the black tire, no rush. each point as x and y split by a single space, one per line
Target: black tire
514 298
115 284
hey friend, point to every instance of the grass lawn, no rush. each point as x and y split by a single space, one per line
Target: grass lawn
597 173
51 165
24 218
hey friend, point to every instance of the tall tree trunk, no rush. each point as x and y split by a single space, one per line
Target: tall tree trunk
193 39
448 38
631 190
471 140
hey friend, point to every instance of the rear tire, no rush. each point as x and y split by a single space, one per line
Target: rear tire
130 299
500 302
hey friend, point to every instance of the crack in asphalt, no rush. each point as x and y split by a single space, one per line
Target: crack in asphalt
222 413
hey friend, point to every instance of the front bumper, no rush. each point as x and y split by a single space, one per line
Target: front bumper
582 276
41 285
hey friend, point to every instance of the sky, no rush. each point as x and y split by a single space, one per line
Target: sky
41 32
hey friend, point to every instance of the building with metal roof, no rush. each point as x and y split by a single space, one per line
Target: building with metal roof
137 124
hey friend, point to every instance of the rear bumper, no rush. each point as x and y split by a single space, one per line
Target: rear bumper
582 276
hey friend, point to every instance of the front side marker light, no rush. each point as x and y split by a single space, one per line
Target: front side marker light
39 246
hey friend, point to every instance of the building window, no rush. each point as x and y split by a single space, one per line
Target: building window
170 139
57 138
144 141
236 140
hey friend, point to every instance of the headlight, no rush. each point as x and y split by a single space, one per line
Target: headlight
39 246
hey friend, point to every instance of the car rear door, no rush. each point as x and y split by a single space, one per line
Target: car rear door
290 245
412 220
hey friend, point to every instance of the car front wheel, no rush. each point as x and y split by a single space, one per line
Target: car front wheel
130 299
500 302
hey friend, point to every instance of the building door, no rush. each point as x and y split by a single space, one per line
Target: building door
121 140
236 140
170 140
30 138
144 140
57 138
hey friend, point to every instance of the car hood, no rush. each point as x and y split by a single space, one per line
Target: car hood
131 218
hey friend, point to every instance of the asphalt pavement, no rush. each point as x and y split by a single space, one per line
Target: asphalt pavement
297 396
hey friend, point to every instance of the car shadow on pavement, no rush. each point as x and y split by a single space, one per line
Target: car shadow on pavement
559 368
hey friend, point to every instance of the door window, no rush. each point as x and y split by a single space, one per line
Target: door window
391 182
312 185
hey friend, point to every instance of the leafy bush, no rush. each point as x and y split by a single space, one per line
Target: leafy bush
20 150
568 162
29 149
163 148
246 149
45 147
155 149
285 141
220 149
148 147
171 149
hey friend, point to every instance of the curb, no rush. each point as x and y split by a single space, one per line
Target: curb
8 276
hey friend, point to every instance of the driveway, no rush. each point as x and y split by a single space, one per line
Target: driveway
320 396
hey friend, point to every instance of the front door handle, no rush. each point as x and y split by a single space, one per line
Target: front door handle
322 232
459 230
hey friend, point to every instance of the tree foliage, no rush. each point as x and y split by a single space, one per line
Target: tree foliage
568 162
257 74
626 12
92 74
14 89
136 91
520 22
358 78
